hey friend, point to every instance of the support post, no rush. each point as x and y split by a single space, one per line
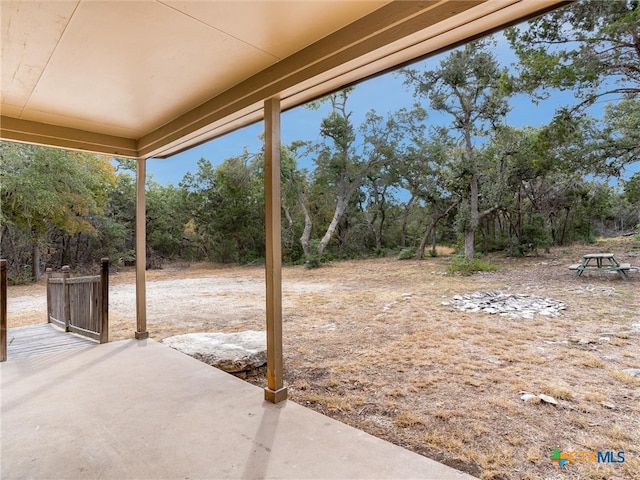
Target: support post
49 271
3 310
66 273
104 300
275 391
141 251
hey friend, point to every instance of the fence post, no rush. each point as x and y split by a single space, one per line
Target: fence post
104 295
66 273
3 310
48 275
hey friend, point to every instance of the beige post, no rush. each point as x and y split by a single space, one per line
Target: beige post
104 300
275 391
141 251
66 273
3 310
48 273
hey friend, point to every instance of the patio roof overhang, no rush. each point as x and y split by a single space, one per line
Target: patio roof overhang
154 77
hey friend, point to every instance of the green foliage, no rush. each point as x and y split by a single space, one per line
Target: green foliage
406 254
227 205
632 189
461 265
45 190
536 233
580 48
167 217
315 260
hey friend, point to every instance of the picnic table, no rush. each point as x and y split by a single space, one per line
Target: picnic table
603 262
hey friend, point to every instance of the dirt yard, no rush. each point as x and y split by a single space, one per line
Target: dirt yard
370 343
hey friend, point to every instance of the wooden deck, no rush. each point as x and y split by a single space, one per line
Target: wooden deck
36 340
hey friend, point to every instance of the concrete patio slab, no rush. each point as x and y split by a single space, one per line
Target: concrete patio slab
141 410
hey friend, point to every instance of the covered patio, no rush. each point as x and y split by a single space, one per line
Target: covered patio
149 79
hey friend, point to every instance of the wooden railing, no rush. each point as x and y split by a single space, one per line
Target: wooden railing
80 304
3 310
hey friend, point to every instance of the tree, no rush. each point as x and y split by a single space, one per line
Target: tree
343 165
616 142
227 204
45 188
425 172
632 195
591 45
166 219
470 87
337 166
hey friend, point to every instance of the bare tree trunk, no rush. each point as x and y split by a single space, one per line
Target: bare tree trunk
380 229
405 222
341 207
306 233
432 229
423 242
434 238
474 220
469 240
35 259
483 231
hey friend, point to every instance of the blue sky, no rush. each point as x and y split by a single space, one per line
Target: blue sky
384 94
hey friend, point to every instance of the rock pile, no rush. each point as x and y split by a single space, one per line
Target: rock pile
507 304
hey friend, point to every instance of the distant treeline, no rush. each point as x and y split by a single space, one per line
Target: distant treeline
393 183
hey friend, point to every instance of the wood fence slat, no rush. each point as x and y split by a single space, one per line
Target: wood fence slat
84 332
83 280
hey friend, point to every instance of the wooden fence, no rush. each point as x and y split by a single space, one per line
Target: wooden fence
3 310
80 304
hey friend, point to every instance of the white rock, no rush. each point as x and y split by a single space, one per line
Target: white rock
528 397
231 352
548 399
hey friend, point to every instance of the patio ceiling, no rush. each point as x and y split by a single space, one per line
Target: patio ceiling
150 78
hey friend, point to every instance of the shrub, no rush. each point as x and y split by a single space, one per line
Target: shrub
406 254
465 267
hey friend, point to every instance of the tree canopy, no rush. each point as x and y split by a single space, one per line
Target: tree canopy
388 184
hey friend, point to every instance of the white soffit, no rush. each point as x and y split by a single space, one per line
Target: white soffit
153 77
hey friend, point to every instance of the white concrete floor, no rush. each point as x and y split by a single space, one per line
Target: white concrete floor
141 410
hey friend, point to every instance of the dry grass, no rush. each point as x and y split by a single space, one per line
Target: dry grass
378 350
